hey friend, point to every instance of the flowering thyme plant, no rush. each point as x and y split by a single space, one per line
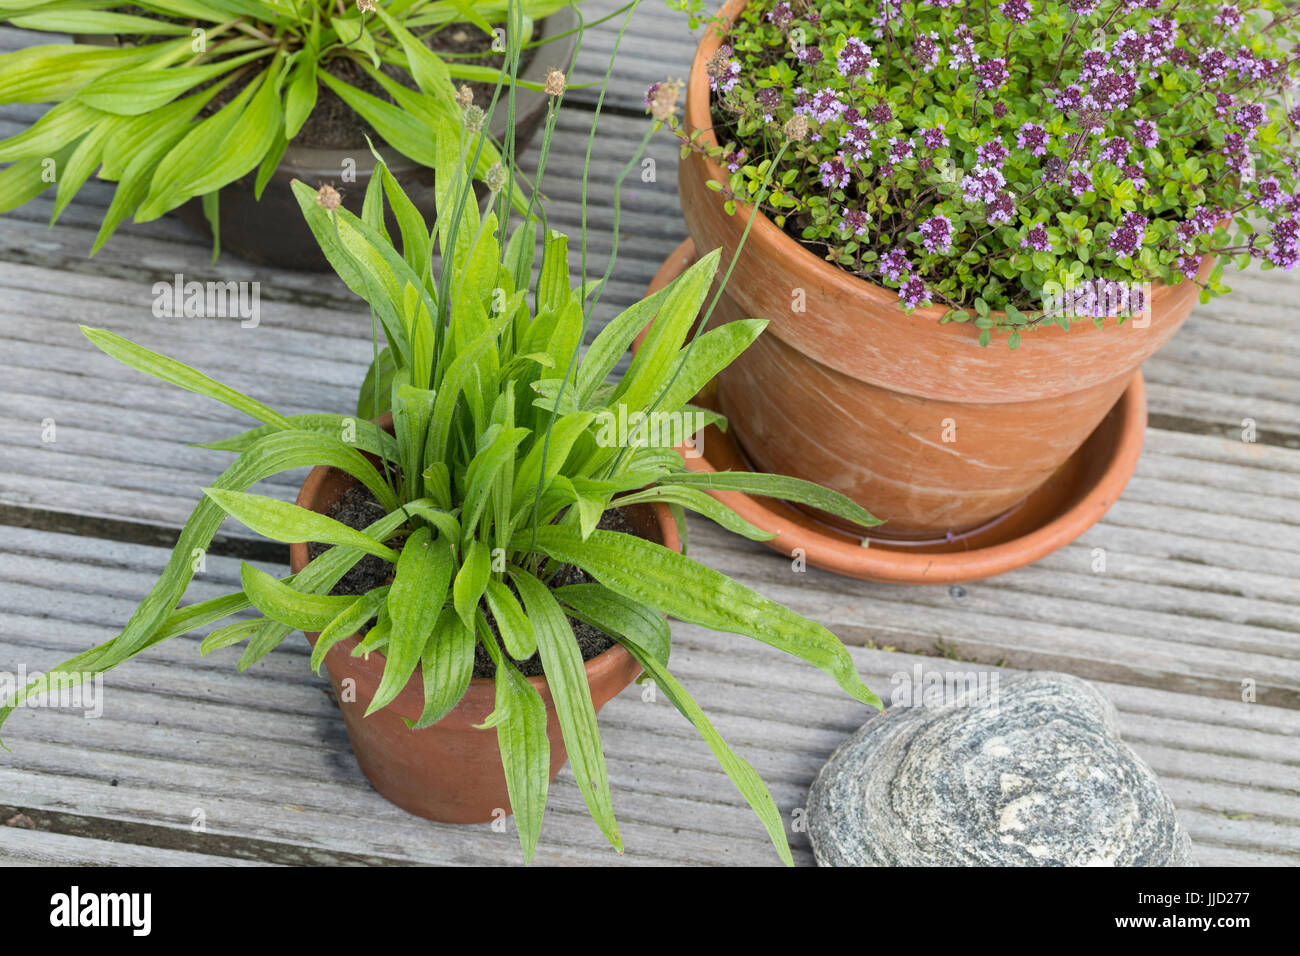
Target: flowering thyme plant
980 156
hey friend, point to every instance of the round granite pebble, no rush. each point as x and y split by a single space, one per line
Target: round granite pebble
1034 774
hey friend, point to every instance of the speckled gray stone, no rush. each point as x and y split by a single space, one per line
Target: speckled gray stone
1034 774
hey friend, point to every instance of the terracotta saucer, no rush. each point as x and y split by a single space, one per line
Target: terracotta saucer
1069 503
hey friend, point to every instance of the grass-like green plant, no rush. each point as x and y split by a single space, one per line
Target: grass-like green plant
139 113
494 477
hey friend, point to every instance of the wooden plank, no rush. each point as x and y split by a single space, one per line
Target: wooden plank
20 847
1200 592
265 756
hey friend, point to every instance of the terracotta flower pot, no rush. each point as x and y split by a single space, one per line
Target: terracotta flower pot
912 419
450 771
272 231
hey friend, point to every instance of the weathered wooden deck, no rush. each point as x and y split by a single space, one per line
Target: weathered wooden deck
1201 591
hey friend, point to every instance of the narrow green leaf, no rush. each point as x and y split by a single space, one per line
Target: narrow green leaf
741 772
281 602
415 600
684 588
777 486
362 434
471 580
567 677
281 520
447 665
677 315
349 621
512 623
230 634
178 373
520 722
700 503
618 616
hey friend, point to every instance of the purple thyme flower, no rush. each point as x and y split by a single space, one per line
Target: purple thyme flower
1228 16
1114 90
854 221
1285 253
1083 8
1235 152
810 54
936 234
992 73
856 140
913 292
1032 137
982 183
894 263
1128 238
780 15
1268 193
769 98
934 138
1036 239
1080 180
962 49
1250 117
856 59
1017 11
835 173
991 153
1213 64
999 109
1129 47
899 149
1248 66
1068 100
1001 209
1188 264
891 10
1115 150
926 50
1094 65
1147 135
1201 221
826 105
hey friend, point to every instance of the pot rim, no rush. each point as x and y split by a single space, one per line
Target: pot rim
767 235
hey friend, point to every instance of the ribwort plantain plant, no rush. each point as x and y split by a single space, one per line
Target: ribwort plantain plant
205 92
493 481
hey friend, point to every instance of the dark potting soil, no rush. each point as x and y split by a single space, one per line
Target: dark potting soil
358 508
335 125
